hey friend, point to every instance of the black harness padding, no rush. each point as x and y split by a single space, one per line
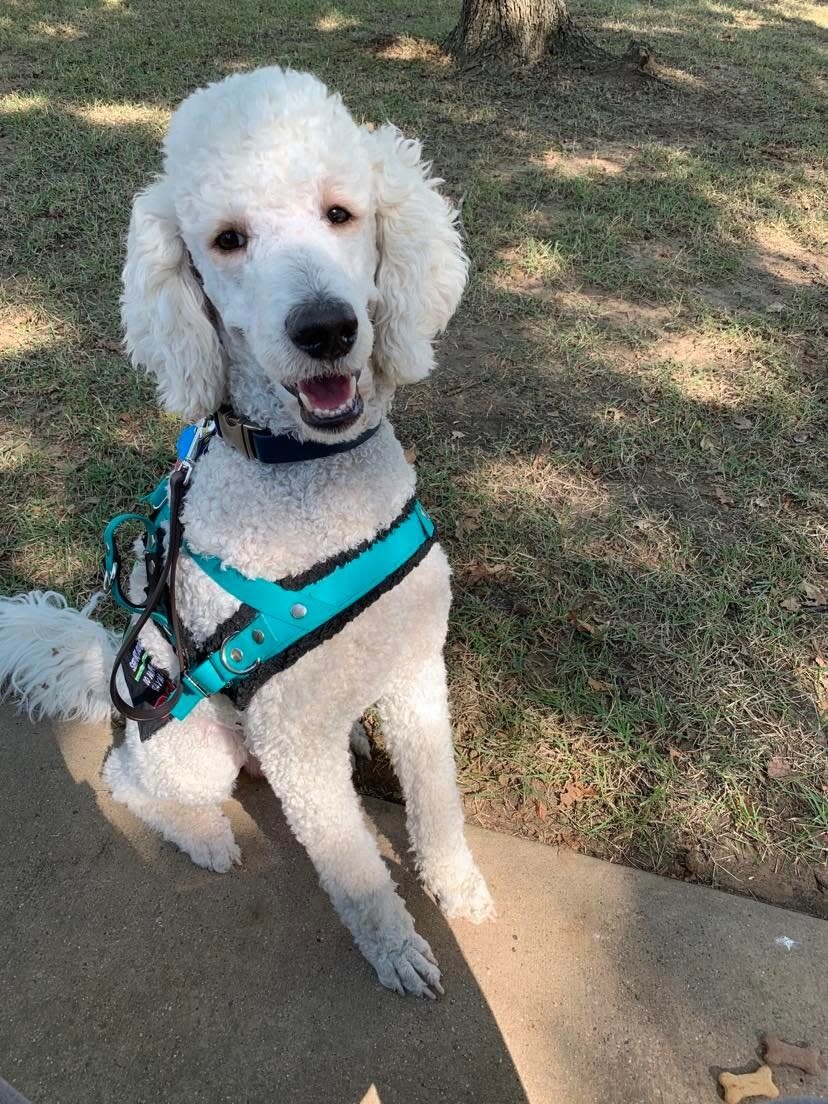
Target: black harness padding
325 567
241 693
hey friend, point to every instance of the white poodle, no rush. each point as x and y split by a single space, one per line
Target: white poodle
297 266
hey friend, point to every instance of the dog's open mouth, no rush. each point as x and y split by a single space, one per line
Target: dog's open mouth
329 402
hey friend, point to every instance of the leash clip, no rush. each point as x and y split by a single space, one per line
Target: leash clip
186 467
191 444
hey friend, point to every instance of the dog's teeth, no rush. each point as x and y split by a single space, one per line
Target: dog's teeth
343 408
326 412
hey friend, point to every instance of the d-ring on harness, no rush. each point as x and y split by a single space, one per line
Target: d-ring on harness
276 623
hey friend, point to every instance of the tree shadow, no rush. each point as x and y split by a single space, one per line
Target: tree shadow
135 975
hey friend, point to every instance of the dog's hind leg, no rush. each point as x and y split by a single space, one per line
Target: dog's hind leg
176 782
417 730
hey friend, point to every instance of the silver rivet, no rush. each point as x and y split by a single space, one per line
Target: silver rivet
298 610
236 655
258 636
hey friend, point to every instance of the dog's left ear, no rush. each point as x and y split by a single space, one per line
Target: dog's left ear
422 267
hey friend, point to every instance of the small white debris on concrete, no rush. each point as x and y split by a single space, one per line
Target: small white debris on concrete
786 942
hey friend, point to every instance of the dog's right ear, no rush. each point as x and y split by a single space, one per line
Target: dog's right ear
163 310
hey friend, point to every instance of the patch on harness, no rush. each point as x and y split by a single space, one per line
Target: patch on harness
146 683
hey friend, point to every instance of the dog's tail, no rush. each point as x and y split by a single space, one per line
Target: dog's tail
54 659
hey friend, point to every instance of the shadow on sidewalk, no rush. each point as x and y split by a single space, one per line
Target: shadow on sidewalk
132 975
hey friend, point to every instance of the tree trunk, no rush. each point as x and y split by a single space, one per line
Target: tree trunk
511 30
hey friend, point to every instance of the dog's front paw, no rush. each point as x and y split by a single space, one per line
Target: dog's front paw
409 968
384 932
209 842
217 855
462 893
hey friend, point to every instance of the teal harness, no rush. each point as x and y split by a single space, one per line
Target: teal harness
277 622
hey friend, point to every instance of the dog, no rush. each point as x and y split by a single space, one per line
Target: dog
298 266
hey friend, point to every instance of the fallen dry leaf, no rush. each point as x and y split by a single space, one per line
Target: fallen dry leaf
410 454
456 435
721 495
581 626
578 623
791 603
815 593
743 423
568 796
778 767
574 791
762 501
470 521
597 684
111 346
541 810
480 572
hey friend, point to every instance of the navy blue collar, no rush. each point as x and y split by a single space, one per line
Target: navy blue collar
257 443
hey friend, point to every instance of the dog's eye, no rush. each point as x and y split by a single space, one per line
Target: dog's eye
338 215
228 240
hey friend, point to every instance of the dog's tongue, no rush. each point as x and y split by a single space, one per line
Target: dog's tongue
327 392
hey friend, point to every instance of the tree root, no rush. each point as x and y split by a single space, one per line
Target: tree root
568 40
635 62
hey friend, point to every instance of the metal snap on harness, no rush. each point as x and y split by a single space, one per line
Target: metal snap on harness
234 657
298 610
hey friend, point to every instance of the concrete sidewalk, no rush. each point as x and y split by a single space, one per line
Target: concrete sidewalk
128 975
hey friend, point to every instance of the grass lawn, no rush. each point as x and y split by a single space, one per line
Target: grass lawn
625 447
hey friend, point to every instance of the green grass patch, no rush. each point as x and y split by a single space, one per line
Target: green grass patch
625 445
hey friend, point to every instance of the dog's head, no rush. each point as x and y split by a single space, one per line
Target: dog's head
284 238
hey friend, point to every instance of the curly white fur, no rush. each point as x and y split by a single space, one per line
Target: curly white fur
55 660
268 153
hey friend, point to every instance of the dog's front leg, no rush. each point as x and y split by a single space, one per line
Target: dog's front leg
309 767
417 729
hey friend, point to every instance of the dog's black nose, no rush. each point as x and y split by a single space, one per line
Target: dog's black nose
324 329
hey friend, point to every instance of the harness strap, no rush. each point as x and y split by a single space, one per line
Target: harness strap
276 623
287 623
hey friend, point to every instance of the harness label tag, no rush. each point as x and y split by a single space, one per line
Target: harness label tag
146 683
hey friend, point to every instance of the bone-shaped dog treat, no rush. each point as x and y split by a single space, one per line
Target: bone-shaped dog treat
739 1086
779 1053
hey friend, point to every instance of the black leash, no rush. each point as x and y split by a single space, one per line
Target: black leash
164 587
